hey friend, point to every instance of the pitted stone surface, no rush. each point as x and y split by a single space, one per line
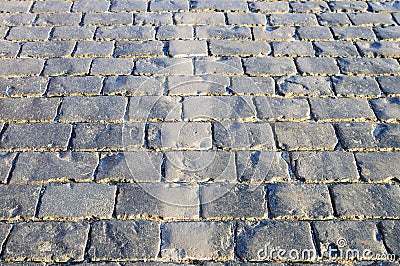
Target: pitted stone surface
168 132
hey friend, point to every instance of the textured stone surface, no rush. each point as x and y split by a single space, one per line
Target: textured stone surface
178 240
378 166
54 241
309 86
36 167
121 240
6 160
78 200
28 109
18 201
391 232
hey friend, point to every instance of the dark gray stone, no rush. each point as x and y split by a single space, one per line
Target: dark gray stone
18 201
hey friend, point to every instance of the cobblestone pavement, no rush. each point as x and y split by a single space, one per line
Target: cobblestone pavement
215 132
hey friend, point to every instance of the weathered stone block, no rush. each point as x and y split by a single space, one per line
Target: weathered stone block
68 86
6 161
387 109
378 166
154 108
269 66
273 108
133 86
221 66
345 85
18 201
185 48
67 66
305 86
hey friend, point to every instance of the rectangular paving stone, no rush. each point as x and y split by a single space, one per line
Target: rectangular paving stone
134 86
234 5
139 49
74 200
309 7
67 66
387 33
58 19
262 166
111 66
347 6
378 166
328 166
153 19
366 200
6 162
336 49
218 107
103 19
371 19
15 6
293 49
185 48
218 66
269 66
391 232
91 6
95 109
318 66
128 5
269 7
28 109
16 19
356 136
232 200
273 108
154 108
223 32
72 32
123 240
34 167
345 85
341 109
314 33
239 47
169 6
167 201
141 166
252 85
67 86
200 18
297 200
214 166
371 66
330 19
171 32
246 19
99 136
18 201
352 33
379 49
294 136
23 86
90 48
177 241
54 241
179 135
358 235
287 235
276 33
164 66
36 136
293 19
389 85
125 32
305 86
28 33
5 230
19 67
387 109
237 135
197 85
51 6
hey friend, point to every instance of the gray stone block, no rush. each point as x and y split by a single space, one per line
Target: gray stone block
12 20
23 86
154 108
29 33
387 33
69 86
314 33
378 166
316 65
153 19
103 19
269 66
238 47
252 19
262 166
54 241
379 49
6 160
345 85
294 136
185 48
111 66
293 49
178 244
223 32
73 32
387 109
269 7
298 200
352 33
218 66
329 166
169 32
309 7
305 86
233 201
371 19
160 5
167 201
125 240
366 200
125 32
180 135
19 67
274 33
15 6
33 167
67 66
333 19
134 86
18 201
391 232
389 85
51 6
60 19
164 66
336 49
347 6
252 85
282 109
201 18
28 109
90 48
129 5
293 19
233 5
197 85
36 136
74 200
93 109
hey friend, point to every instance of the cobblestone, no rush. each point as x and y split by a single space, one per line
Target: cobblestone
356 86
309 86
388 85
230 48
368 66
131 49
378 166
89 48
29 33
66 66
65 86
19 67
23 86
387 109
317 66
179 48
270 66
18 201
6 160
